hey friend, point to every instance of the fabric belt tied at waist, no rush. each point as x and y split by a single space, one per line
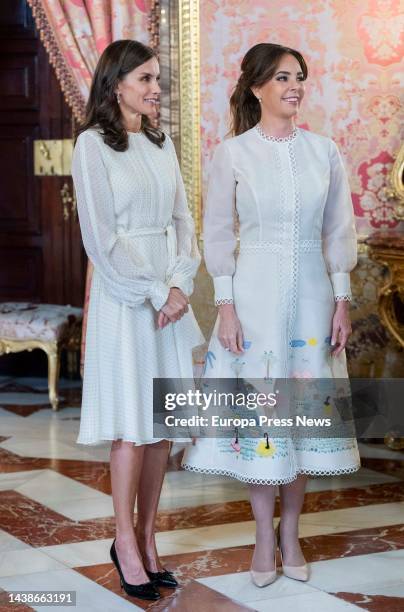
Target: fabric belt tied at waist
169 230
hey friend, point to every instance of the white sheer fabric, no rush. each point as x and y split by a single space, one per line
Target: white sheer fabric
234 172
139 234
339 234
297 247
128 277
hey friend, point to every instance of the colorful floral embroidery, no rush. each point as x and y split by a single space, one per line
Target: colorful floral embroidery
327 406
265 448
235 444
237 366
297 343
209 358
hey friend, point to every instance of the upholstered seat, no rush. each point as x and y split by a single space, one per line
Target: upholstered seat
50 327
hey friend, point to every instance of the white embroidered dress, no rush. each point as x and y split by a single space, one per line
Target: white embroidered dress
139 234
297 247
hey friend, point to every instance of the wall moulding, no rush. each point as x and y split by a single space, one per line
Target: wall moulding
179 52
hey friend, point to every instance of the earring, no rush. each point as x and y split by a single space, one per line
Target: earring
118 97
259 100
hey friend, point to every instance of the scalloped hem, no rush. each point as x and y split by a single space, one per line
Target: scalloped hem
273 481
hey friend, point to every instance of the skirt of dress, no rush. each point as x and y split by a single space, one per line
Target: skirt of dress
124 352
286 324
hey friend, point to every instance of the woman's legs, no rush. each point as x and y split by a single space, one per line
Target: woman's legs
262 499
151 480
126 466
291 498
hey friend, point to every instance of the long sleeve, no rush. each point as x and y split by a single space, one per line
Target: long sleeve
219 221
127 278
339 234
188 257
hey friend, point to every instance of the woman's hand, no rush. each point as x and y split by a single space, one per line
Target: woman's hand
175 307
341 328
162 320
230 333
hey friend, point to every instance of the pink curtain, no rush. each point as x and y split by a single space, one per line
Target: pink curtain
75 33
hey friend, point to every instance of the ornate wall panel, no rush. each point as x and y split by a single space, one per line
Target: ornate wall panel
353 49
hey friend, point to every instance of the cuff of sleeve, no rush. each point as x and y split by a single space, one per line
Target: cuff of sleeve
159 294
341 285
185 284
223 289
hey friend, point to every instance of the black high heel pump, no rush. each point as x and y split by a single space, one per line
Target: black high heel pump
146 590
163 579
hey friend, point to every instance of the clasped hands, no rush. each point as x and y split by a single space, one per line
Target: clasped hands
174 308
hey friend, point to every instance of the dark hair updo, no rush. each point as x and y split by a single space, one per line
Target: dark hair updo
258 66
102 110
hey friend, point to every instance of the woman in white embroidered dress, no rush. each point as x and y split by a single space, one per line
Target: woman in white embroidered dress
285 299
139 235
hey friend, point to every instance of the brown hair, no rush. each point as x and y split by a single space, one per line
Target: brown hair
102 110
258 66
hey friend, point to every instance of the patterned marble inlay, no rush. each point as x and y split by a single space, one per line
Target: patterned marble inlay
190 597
218 562
68 397
186 567
94 474
196 597
351 543
38 525
373 603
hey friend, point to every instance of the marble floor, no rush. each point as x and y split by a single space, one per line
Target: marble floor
56 524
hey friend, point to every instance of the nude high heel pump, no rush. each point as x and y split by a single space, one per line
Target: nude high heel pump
262 579
297 572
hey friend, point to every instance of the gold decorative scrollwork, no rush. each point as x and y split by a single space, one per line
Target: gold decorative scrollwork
395 189
189 73
69 341
391 295
53 353
68 198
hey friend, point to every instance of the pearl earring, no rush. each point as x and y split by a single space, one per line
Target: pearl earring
118 97
259 100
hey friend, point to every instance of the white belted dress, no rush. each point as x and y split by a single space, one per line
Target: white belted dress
139 235
297 247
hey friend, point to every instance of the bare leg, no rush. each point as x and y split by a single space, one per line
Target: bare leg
151 480
292 497
126 467
262 499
